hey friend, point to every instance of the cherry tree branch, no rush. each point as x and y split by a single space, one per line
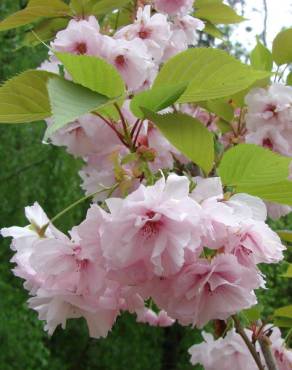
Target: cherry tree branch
250 346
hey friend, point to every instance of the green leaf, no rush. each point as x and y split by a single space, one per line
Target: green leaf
24 98
284 312
213 31
35 9
283 322
70 101
223 126
82 7
288 273
156 99
257 171
289 79
261 57
107 6
221 108
44 31
188 135
285 235
93 73
211 74
217 13
253 313
282 51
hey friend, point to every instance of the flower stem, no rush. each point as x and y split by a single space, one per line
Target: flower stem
250 346
81 200
266 349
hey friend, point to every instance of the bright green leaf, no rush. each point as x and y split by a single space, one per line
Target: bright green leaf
285 235
221 108
283 322
288 273
24 98
156 99
93 73
44 31
217 13
211 74
188 135
282 51
213 31
261 57
289 79
201 3
35 9
82 7
284 312
70 101
257 171
223 126
107 6
253 313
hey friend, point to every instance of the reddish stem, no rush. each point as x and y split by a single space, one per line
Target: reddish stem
137 133
111 125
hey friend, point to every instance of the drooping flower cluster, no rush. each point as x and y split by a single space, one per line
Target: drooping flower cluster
194 255
224 353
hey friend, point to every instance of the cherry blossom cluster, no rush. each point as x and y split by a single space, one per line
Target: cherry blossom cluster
162 252
269 124
223 353
137 51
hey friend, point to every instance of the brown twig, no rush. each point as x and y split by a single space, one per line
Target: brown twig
266 349
250 346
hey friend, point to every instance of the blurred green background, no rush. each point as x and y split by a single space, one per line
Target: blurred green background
29 171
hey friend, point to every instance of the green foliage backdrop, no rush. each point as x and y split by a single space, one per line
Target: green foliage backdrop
33 171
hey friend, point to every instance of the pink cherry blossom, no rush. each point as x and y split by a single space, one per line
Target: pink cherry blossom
269 118
56 308
148 316
87 135
131 59
25 240
153 228
80 37
73 281
177 44
154 31
173 7
189 25
276 211
224 353
282 355
207 188
206 290
270 106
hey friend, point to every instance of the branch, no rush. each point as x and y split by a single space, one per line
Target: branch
250 346
266 349
265 22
